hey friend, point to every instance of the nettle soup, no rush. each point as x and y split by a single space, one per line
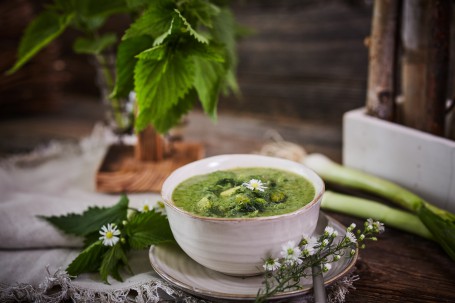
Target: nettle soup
243 193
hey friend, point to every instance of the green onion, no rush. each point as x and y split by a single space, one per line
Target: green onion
440 222
365 209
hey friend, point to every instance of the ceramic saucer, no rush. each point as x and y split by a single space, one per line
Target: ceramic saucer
174 266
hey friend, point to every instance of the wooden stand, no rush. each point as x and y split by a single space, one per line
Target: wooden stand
121 172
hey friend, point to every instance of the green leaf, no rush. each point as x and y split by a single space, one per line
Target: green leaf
187 26
156 53
137 4
89 260
94 46
88 8
38 34
207 81
91 220
203 11
148 228
154 21
224 32
126 60
112 260
160 84
174 115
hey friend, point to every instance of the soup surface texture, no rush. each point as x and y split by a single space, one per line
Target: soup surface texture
243 193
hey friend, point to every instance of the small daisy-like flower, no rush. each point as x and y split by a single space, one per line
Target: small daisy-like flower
362 236
310 245
291 252
379 226
351 227
271 264
109 234
326 267
255 184
145 206
160 208
352 252
325 242
336 257
351 237
329 231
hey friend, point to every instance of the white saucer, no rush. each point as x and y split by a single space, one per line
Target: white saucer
174 266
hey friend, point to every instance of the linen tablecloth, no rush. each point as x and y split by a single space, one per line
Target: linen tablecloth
57 180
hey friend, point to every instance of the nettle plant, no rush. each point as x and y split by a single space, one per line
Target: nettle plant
173 53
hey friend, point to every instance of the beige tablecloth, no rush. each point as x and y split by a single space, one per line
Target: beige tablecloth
56 180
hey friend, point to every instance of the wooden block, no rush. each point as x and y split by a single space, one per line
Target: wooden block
120 172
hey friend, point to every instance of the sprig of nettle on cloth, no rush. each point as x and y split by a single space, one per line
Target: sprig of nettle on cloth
111 232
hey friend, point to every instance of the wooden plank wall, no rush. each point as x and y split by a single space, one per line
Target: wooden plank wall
306 59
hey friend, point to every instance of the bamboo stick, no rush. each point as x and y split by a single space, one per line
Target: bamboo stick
382 59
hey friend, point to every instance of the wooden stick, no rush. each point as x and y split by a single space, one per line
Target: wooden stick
426 35
382 59
149 146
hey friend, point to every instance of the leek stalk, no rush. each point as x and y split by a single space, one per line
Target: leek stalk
365 209
439 222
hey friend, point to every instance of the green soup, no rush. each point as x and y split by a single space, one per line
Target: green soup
244 192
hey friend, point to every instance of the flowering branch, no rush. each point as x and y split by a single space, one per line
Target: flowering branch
296 261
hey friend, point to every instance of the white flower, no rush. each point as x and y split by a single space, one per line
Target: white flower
329 231
325 242
255 184
145 206
109 234
291 252
351 237
271 264
326 267
379 226
160 208
309 247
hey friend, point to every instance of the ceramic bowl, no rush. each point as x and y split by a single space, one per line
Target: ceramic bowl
238 246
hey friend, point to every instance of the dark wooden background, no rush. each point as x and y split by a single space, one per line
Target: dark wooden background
304 60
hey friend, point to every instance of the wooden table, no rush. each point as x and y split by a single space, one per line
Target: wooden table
398 268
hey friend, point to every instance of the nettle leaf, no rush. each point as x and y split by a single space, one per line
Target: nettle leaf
173 116
160 39
187 26
148 228
159 85
87 8
154 21
224 32
89 260
38 34
155 53
94 46
91 220
125 62
203 11
137 4
113 259
208 79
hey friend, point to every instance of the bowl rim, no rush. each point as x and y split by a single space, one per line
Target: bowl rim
317 198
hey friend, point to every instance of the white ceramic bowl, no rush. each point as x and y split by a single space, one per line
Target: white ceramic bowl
238 246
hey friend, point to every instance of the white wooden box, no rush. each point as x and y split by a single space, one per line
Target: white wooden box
421 162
